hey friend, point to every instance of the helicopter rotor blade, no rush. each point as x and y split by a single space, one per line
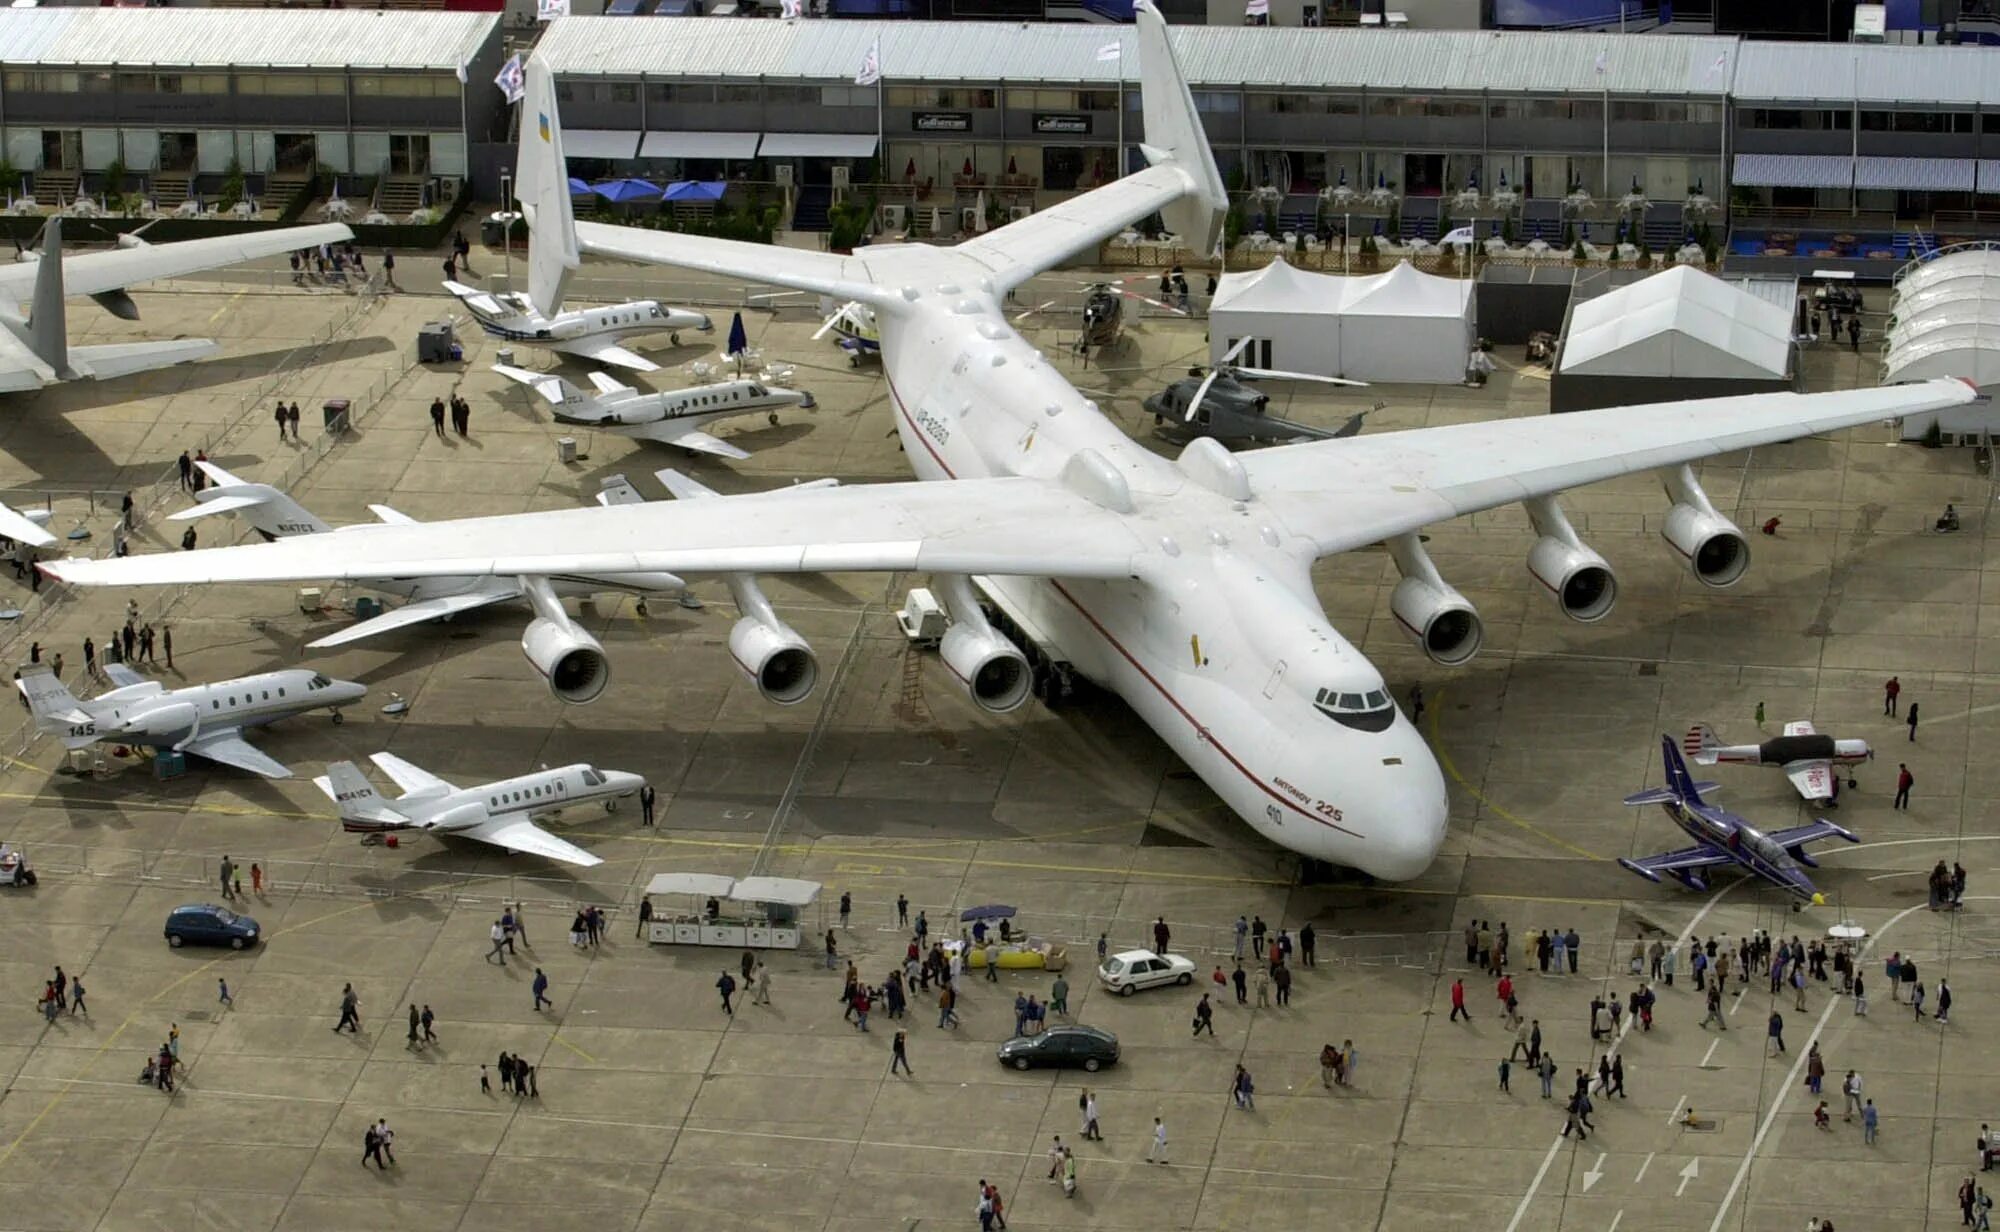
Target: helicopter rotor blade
1236 348
1042 307
1273 374
842 313
1194 403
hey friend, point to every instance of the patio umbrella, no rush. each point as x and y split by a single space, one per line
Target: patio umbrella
577 188
695 190
992 911
968 168
625 190
979 212
739 340
910 170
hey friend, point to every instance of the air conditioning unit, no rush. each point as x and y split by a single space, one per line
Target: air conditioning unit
783 174
896 218
1016 213
968 219
842 177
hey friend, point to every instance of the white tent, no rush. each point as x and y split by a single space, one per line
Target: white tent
1684 323
1946 322
1402 326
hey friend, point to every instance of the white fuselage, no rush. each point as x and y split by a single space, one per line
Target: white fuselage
1223 648
561 332
179 715
541 794
644 415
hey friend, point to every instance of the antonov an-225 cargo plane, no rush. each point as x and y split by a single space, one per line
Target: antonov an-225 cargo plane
1184 585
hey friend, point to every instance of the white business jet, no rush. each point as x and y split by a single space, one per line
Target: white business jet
672 417
1184 585
276 516
206 720
502 812
538 318
35 349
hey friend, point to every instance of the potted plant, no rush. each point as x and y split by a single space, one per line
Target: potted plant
1577 254
232 185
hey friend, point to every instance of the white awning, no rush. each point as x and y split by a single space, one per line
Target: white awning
1794 170
817 145
787 890
1914 174
599 143
697 145
1989 175
706 885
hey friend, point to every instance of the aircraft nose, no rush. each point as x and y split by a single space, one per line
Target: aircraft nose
1399 804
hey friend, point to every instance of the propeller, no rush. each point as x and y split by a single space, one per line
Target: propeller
1201 392
1273 374
1041 307
1228 364
850 312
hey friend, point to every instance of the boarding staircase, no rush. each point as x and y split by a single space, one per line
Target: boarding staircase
399 196
55 189
809 211
283 190
169 189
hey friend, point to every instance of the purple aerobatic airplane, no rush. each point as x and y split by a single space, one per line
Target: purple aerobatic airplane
1721 837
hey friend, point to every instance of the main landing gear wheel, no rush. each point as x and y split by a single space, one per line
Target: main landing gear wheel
674 338
338 718
774 419
642 607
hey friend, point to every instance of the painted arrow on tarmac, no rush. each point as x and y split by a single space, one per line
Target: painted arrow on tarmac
1595 1174
1688 1173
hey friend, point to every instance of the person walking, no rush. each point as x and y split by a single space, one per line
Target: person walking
1850 1095
1815 1068
1161 935
1547 1072
1308 939
187 471
541 988
350 1011
1505 1068
1889 694
76 1005
371 1148
1157 1153
1860 993
1204 1018
760 985
1090 1131
1869 1118
1282 977
1458 1009
228 868
1917 1000
415 1027
947 1006
899 1055
437 417
1943 1003
1263 986
1570 944
282 418
1912 721
1714 1014
1776 1032
1059 996
428 1021
1242 929
498 935
166 645
1904 781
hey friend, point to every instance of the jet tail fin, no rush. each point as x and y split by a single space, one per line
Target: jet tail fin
1701 744
56 710
1679 781
554 389
356 797
542 185
274 514
48 327
1174 135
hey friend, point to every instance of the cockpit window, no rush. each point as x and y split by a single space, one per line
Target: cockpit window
1369 712
319 682
758 391
592 778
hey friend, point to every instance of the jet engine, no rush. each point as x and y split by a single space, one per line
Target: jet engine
1579 579
993 670
1715 550
775 658
571 660
1438 618
994 673
165 720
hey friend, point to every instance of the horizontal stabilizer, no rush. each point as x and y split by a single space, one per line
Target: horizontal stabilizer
618 490
228 502
392 516
416 613
608 384
1654 795
106 361
17 525
547 384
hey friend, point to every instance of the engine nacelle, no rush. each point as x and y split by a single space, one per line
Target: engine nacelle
165 720
1715 550
571 660
1442 621
776 659
994 673
1580 580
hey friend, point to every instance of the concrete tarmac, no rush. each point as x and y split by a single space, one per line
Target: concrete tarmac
658 1111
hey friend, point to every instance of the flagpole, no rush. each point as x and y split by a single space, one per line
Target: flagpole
1121 118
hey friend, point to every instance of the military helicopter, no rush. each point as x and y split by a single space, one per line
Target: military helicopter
1222 404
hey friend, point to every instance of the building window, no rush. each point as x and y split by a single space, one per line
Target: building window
665 92
291 84
405 85
1214 101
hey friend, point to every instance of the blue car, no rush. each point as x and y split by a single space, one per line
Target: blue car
208 924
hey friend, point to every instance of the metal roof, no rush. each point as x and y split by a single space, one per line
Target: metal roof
1275 57
198 38
1865 73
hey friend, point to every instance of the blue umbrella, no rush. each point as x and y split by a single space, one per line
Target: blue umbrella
992 911
625 190
577 188
739 341
696 190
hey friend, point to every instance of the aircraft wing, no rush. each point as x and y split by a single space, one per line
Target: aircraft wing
231 749
1684 860
413 613
1346 494
519 834
824 273
93 273
690 439
107 360
122 676
16 525
1800 727
1045 239
1814 779
1013 526
1818 829
411 779
605 351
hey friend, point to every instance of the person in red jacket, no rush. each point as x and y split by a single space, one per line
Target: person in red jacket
1458 1002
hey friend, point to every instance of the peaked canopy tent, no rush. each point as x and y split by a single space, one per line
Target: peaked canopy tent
1401 326
1679 334
1946 322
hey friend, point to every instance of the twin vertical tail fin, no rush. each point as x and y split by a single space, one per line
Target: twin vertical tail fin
1174 135
542 185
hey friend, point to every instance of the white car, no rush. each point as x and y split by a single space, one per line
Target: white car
1132 970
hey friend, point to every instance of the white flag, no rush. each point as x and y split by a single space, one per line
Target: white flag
790 10
871 65
1258 8
1458 235
549 10
1601 63
513 79
1110 51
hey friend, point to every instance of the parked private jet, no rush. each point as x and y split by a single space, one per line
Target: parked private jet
671 417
